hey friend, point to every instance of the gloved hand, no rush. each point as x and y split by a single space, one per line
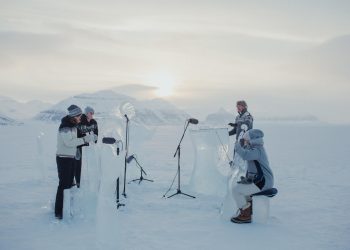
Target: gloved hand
232 124
89 138
245 180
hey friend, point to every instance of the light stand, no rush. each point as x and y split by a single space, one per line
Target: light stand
178 153
132 157
126 151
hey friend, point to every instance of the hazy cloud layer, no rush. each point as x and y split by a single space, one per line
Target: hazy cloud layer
279 55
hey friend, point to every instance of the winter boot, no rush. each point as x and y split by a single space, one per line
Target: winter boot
245 215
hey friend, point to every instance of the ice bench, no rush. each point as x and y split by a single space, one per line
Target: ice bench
261 204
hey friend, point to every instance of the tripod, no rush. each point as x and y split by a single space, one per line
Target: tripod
178 153
141 170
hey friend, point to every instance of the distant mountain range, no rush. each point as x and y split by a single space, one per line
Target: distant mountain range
109 104
15 110
4 120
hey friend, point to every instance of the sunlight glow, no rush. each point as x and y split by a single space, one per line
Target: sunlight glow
165 84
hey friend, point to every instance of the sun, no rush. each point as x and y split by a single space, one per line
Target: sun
164 82
164 91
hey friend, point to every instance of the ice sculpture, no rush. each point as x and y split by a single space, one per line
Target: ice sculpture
107 223
211 166
238 169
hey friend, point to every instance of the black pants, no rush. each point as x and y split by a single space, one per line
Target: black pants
65 169
77 168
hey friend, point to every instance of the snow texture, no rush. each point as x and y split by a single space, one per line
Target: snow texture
310 211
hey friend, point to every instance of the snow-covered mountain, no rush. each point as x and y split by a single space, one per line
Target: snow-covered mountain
221 117
5 120
109 104
21 110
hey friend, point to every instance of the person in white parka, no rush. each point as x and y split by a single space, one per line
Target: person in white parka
67 153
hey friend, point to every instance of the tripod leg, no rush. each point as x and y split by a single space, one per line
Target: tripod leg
172 195
188 195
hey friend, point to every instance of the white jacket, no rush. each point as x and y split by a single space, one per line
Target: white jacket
67 142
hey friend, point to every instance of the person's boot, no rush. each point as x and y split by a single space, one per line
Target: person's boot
245 215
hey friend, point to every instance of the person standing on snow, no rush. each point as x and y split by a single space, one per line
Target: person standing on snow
66 154
243 117
259 176
88 125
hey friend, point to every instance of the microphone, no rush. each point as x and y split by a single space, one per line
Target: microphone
117 150
193 121
127 118
130 158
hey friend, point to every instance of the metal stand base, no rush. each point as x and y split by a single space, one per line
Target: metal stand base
179 192
141 179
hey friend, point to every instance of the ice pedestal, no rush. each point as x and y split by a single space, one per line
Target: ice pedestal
90 170
68 202
211 161
261 209
112 166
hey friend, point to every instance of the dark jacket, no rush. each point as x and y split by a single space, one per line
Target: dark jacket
243 118
85 127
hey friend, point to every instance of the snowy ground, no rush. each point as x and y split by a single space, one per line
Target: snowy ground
311 167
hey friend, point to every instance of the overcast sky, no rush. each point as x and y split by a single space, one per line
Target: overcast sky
283 57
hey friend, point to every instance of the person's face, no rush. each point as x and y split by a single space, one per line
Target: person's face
90 115
240 108
76 119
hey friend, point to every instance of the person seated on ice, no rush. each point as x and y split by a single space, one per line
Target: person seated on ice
243 117
67 153
258 177
87 125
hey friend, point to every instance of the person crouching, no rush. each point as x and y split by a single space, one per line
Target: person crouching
259 176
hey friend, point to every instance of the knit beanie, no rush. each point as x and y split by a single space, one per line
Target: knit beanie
74 110
88 109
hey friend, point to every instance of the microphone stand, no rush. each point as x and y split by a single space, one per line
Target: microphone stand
142 171
126 151
178 153
117 195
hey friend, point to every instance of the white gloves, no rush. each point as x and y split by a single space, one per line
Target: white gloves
89 138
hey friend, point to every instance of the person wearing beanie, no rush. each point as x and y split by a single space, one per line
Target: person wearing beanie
243 117
88 125
67 142
259 176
